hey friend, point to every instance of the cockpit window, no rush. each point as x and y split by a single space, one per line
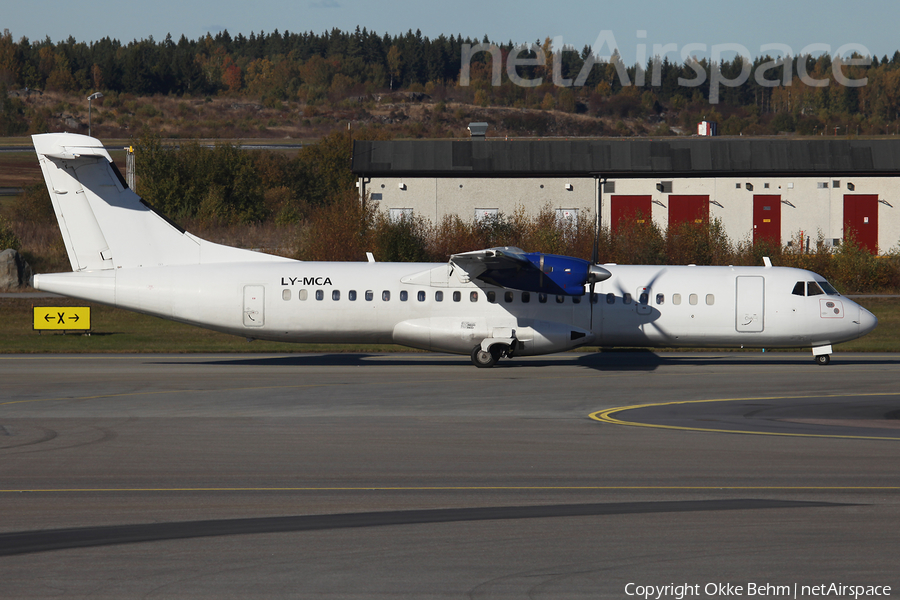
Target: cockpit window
799 289
813 289
829 289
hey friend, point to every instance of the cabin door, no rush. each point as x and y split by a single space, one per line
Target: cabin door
254 305
750 304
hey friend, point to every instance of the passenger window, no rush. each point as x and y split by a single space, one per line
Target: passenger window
320 295
369 295
526 297
336 295
457 296
626 298
302 295
692 299
710 299
799 289
610 298
285 294
676 299
439 296
473 297
386 295
576 299
560 299
644 298
660 298
508 297
351 295
542 298
421 296
492 297
404 296
813 289
595 298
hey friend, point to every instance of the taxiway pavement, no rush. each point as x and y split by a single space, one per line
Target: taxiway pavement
420 476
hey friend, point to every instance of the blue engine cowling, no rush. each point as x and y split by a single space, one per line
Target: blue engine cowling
547 273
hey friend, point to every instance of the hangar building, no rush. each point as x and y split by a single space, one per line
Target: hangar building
762 188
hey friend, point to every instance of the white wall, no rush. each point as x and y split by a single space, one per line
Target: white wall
811 209
434 198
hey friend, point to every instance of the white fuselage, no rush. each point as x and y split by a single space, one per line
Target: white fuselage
430 306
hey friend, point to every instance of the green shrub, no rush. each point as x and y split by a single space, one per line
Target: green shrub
338 231
8 238
699 244
401 240
854 269
639 242
148 111
219 184
34 205
13 119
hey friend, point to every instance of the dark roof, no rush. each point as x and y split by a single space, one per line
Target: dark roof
626 158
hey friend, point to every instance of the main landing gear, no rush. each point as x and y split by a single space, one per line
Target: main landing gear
823 359
488 358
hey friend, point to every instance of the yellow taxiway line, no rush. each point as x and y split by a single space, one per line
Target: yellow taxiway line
606 416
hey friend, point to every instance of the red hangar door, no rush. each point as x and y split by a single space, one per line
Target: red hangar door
688 209
629 209
767 219
861 219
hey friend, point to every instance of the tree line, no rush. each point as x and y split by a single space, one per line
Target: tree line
339 67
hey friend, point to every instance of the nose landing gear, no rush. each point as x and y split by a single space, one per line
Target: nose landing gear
822 354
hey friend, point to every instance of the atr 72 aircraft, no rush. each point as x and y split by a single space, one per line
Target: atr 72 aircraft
499 302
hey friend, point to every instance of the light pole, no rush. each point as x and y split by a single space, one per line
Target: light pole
91 98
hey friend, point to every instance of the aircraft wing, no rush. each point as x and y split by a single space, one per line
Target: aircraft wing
516 269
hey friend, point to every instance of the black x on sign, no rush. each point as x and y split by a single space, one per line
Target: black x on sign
62 317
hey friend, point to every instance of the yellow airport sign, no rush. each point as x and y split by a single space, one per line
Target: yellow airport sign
62 317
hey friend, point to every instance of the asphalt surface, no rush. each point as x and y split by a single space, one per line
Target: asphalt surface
420 476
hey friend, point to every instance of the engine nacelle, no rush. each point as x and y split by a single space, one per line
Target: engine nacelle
552 274
547 337
460 335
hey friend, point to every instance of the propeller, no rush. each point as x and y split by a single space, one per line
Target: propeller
598 273
649 287
595 255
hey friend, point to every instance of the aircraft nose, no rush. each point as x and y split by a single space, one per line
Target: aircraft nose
867 321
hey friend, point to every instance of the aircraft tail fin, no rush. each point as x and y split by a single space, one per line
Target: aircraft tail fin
104 224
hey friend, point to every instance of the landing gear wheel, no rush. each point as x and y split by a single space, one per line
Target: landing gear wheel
823 359
484 359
